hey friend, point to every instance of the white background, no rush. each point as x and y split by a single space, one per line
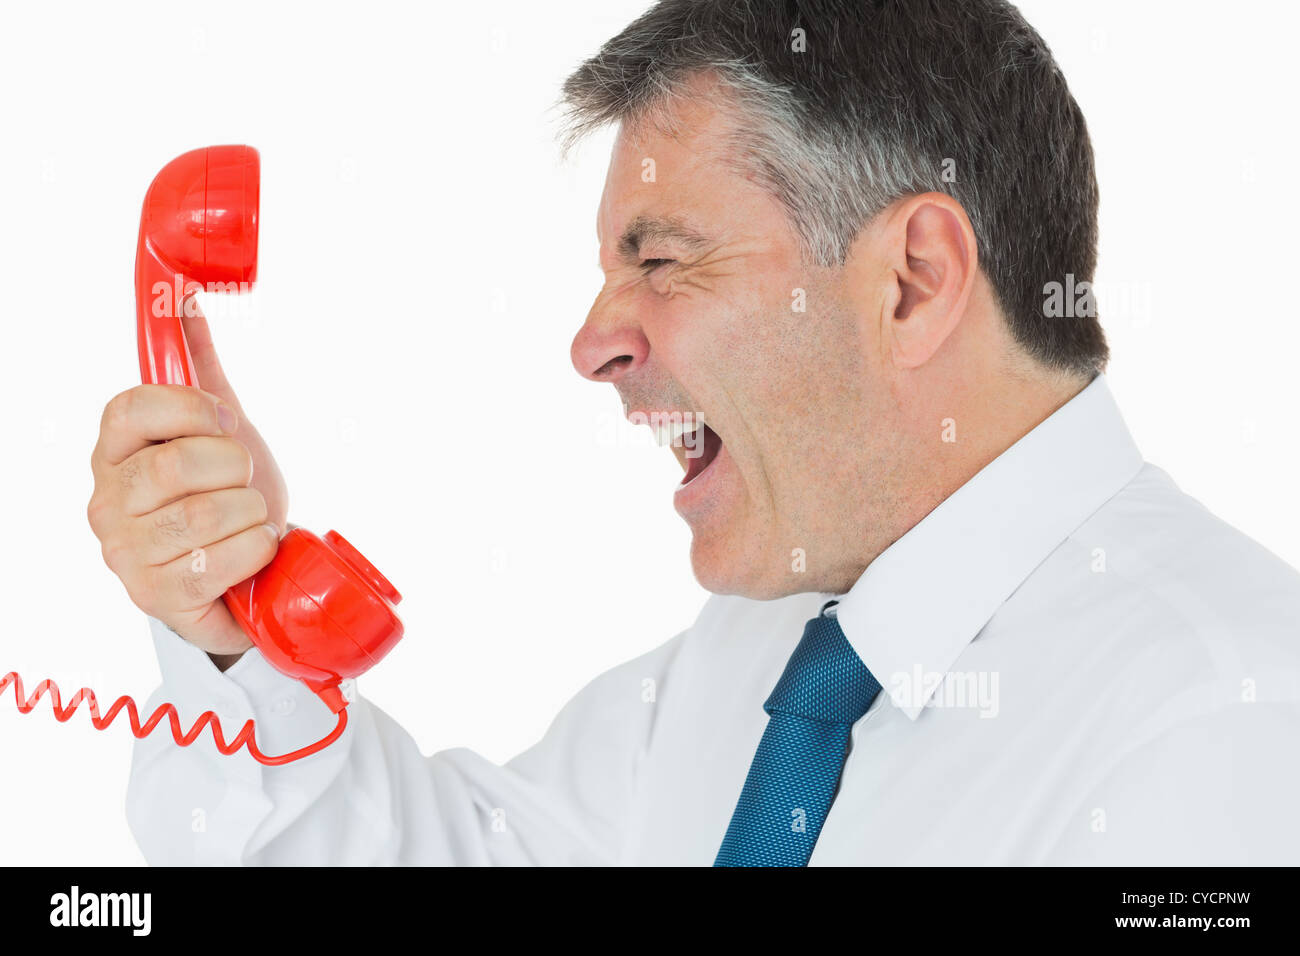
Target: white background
425 260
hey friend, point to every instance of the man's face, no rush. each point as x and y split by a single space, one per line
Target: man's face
708 311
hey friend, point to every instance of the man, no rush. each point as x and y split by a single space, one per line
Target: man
957 619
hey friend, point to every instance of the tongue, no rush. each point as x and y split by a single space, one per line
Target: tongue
702 455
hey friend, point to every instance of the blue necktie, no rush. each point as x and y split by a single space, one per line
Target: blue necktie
825 689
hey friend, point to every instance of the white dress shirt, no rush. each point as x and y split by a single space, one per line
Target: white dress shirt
1081 665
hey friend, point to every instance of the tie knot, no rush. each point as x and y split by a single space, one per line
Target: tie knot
824 679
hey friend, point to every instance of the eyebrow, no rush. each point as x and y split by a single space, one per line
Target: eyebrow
644 229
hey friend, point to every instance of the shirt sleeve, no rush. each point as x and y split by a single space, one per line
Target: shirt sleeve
371 798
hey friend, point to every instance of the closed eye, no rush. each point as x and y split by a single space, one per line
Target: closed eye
650 265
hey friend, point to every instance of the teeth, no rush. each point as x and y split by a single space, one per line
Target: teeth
670 433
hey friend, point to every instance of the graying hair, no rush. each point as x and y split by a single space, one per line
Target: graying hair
887 97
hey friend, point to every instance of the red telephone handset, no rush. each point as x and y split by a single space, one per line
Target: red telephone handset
319 611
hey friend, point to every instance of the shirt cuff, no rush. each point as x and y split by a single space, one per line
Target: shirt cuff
287 714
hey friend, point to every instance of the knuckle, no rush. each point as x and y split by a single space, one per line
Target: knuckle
200 513
171 523
117 556
194 585
197 515
146 595
118 411
97 513
128 473
167 464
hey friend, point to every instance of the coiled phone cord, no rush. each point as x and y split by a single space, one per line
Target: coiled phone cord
244 737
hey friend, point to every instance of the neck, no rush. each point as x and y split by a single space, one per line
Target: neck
949 435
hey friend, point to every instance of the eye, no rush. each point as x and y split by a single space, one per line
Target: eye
650 265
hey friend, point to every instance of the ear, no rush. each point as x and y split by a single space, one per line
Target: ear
930 250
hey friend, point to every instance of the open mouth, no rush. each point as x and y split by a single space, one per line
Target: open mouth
693 442
700 453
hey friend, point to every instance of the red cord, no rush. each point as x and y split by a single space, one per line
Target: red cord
245 735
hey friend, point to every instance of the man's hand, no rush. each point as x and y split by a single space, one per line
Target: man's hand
188 500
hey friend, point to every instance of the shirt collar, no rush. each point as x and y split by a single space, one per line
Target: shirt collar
931 592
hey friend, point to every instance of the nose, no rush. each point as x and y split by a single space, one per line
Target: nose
608 347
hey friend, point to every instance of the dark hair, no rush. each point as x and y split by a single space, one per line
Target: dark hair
879 100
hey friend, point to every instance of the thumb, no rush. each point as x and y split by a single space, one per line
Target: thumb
212 378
